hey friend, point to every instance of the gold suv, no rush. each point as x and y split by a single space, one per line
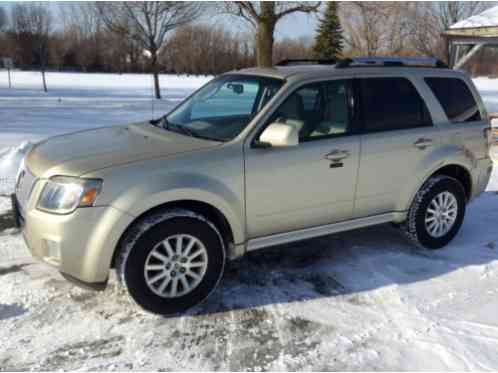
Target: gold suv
257 158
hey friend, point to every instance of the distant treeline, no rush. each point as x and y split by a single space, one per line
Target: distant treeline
190 49
86 42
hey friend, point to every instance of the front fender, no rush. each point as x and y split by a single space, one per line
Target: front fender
178 186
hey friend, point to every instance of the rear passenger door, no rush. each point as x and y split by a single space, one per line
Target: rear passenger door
396 134
465 124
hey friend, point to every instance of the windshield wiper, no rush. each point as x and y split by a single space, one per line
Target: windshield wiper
182 129
177 128
172 126
186 131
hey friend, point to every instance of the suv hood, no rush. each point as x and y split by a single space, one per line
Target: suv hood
78 153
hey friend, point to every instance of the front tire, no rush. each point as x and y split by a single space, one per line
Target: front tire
436 213
171 261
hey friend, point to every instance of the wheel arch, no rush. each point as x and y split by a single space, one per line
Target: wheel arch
459 173
207 210
455 170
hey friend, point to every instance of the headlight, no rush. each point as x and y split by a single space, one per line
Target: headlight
62 195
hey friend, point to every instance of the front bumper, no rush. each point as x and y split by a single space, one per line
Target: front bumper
80 245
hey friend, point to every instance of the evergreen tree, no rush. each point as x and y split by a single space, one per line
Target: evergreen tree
329 39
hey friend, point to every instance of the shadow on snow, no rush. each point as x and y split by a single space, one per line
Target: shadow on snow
352 262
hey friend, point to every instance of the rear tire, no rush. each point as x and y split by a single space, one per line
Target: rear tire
171 261
436 213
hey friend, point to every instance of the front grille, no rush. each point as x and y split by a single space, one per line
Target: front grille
24 186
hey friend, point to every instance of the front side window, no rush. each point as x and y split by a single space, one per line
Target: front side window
455 98
224 107
392 104
317 110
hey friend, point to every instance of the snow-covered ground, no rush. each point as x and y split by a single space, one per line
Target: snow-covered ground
358 300
78 101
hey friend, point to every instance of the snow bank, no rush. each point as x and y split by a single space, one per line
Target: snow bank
10 159
488 88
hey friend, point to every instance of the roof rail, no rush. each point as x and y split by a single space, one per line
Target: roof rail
410 61
290 62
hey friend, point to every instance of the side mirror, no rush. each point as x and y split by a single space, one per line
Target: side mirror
280 135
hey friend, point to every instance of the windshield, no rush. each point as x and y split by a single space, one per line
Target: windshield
224 107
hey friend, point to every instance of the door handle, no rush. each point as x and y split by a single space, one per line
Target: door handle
422 143
337 155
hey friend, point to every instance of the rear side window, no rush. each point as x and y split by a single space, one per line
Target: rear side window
392 104
455 98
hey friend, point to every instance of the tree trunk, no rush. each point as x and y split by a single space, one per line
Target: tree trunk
44 80
264 34
42 68
264 44
155 72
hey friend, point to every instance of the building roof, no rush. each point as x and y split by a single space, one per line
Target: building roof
488 18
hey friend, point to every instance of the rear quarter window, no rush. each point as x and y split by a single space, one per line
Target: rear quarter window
456 99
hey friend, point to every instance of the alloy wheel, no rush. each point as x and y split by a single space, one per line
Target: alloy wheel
176 266
441 214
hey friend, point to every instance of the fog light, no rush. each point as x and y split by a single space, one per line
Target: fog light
52 251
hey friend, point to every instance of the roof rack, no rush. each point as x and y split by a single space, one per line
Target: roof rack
290 62
362 61
412 61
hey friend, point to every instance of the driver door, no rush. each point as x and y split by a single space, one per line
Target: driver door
313 183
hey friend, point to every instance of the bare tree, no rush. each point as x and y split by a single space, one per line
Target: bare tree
83 21
263 17
148 23
398 31
426 21
287 48
365 26
206 49
32 21
450 12
3 19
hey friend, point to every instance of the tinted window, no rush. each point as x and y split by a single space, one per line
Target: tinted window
317 110
455 98
392 103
